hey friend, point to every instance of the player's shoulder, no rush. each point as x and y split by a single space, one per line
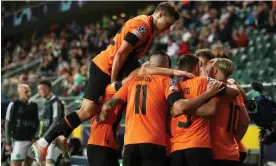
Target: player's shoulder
141 20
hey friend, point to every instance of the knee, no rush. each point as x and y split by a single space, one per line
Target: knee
87 110
84 114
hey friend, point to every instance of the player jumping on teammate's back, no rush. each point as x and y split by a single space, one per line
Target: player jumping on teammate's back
128 45
102 145
21 126
147 98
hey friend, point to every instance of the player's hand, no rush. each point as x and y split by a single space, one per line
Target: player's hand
175 113
214 88
145 64
8 148
104 113
180 73
231 81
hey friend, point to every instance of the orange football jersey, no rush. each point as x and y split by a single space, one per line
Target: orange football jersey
240 101
223 129
147 107
191 131
104 133
141 27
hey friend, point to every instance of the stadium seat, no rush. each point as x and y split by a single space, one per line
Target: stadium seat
273 56
267 38
259 51
238 75
255 34
251 43
243 60
266 49
174 60
265 63
251 53
261 75
263 31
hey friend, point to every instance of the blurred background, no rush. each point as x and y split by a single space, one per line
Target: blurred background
56 40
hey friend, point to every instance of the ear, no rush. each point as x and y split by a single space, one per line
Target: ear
161 14
200 63
215 71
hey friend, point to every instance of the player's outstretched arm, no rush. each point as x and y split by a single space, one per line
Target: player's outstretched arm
119 59
243 124
189 106
231 81
208 109
163 71
232 91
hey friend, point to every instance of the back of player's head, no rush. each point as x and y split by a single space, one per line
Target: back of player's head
169 9
46 83
206 54
159 59
257 86
188 62
226 66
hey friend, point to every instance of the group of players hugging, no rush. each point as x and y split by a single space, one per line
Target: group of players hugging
197 118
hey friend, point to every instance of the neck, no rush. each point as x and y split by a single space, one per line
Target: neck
154 18
23 100
49 96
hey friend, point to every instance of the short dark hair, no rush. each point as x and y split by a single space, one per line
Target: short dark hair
162 53
168 8
187 62
257 86
205 53
46 83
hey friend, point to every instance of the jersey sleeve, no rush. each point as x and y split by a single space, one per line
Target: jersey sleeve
240 101
122 93
138 31
172 91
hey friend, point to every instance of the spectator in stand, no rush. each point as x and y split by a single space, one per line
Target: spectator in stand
272 21
172 48
186 34
240 39
183 48
218 50
262 15
213 35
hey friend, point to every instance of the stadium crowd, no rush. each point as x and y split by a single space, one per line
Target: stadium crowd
67 50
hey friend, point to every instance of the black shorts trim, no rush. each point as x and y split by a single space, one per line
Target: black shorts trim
97 82
226 163
144 154
102 156
242 156
192 157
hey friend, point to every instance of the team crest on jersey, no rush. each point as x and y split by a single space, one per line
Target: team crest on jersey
142 29
173 82
173 86
209 79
